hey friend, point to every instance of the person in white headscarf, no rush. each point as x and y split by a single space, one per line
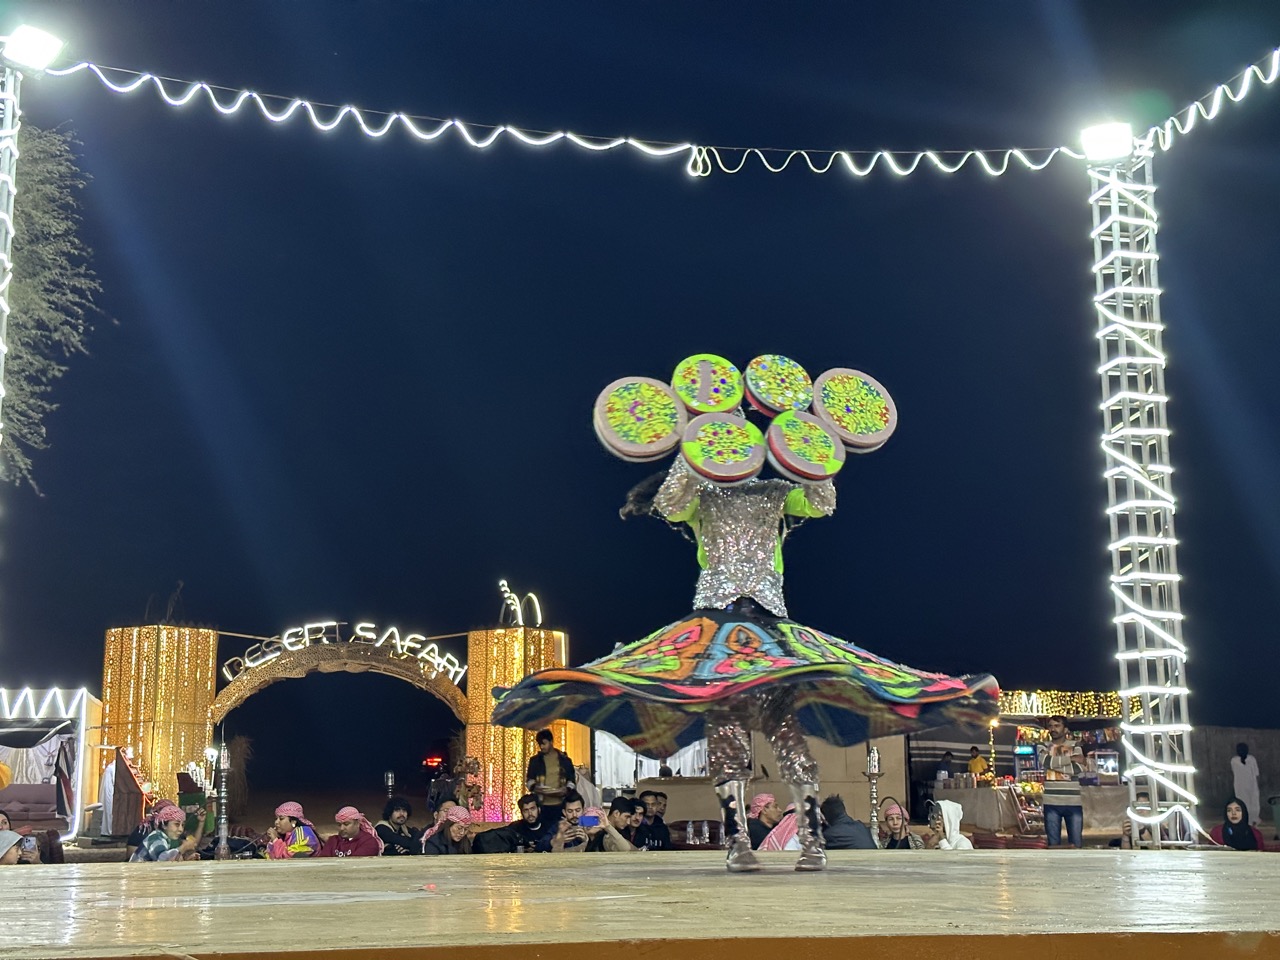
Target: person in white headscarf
10 847
944 824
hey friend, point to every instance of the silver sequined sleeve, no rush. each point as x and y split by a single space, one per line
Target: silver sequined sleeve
821 496
677 491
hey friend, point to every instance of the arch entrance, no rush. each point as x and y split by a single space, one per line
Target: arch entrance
161 702
338 658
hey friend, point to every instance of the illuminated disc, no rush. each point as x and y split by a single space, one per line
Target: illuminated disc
856 407
802 447
639 419
707 383
724 448
775 383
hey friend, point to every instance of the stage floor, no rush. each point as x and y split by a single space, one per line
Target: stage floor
927 904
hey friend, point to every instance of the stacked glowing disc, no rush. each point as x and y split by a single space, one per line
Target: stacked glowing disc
639 419
776 383
856 407
802 448
724 447
707 384
701 415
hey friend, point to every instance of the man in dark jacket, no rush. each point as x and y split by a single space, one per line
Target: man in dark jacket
531 831
657 834
550 777
398 838
841 831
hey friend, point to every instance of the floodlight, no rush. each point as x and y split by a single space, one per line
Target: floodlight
32 48
1107 141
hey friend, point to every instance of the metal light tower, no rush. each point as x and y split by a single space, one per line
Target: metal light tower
1140 503
32 50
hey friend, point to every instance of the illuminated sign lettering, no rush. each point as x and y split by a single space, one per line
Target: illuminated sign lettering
413 646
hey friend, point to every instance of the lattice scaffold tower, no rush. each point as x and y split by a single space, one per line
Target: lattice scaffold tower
1140 502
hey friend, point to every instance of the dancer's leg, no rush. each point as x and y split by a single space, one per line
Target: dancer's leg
799 771
729 763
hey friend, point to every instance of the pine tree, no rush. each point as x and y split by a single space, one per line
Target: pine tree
50 297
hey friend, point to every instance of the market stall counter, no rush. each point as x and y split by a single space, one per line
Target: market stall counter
996 808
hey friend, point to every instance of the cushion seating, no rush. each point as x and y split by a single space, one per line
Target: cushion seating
32 805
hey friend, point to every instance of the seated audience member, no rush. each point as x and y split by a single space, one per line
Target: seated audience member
896 834
355 837
441 810
166 842
451 835
664 771
644 805
531 833
10 847
28 850
606 836
569 835
147 825
398 838
785 835
526 835
762 817
840 830
292 835
944 827
1235 830
659 834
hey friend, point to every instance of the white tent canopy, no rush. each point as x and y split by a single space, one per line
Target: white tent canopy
618 766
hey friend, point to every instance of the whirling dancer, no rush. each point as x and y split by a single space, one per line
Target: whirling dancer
739 662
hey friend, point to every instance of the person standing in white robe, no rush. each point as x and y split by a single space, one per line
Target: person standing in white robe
1244 777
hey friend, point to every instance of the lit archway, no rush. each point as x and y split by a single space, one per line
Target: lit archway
159 683
339 658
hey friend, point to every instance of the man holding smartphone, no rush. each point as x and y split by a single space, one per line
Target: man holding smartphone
606 836
570 834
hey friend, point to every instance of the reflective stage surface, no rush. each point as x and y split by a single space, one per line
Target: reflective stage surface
671 906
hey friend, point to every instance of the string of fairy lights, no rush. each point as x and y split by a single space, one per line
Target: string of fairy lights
700 160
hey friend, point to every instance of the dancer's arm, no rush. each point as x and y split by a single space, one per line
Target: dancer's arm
811 500
677 498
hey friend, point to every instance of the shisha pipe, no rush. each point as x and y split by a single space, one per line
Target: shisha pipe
873 774
223 849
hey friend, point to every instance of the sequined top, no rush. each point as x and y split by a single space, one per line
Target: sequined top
739 532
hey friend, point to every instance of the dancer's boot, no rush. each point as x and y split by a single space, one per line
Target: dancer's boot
813 854
733 814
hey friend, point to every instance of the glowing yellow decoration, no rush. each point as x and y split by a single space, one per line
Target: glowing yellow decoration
502 658
157 690
1047 703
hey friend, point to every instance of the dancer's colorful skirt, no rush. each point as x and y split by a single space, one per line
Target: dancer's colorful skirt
653 694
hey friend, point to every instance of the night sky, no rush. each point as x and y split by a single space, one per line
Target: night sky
352 379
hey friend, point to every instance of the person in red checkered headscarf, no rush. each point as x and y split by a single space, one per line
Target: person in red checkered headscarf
355 837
